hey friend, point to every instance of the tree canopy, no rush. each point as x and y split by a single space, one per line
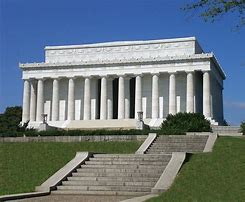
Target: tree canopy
211 10
10 119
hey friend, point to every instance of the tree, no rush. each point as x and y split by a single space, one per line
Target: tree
10 119
211 10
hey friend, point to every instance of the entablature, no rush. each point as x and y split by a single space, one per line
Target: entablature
115 62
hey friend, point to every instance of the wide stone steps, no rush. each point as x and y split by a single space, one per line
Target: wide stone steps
131 160
177 138
226 128
122 174
109 183
128 174
177 150
114 178
139 157
118 170
116 174
121 166
194 146
105 188
162 162
178 143
108 193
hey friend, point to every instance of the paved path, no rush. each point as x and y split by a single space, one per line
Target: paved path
75 198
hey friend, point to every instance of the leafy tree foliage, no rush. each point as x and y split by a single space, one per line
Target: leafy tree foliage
243 127
10 119
210 10
185 122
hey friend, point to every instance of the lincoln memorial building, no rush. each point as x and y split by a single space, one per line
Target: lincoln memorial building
106 84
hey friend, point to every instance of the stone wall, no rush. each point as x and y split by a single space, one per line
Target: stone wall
75 138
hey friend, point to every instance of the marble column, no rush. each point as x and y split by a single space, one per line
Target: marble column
33 100
127 97
138 95
172 94
155 96
87 99
109 98
71 100
103 98
190 92
55 100
40 99
26 102
206 95
121 98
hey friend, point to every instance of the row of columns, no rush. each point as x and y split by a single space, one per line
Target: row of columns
33 104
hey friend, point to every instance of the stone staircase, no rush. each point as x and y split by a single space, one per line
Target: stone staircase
178 143
132 174
116 174
227 130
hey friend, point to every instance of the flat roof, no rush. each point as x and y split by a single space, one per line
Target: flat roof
121 43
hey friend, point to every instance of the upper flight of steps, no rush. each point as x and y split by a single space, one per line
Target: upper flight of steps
116 174
227 130
178 143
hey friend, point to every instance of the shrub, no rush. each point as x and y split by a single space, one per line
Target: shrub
243 127
181 123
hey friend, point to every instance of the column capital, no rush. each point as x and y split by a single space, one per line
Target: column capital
155 74
206 71
125 76
96 76
107 77
139 74
41 79
56 78
112 75
172 73
188 72
87 77
121 75
71 77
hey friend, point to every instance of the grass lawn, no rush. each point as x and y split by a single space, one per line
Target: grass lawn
26 165
216 176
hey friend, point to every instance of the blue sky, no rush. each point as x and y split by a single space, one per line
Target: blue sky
27 26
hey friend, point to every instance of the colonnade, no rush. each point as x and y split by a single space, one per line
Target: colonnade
33 97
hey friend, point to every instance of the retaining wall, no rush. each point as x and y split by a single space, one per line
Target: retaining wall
74 138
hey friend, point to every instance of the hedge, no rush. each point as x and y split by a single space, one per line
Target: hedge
181 123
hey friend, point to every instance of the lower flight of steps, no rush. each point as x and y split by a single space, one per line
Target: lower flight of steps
116 174
178 143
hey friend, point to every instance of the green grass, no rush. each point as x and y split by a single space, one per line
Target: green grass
216 176
26 165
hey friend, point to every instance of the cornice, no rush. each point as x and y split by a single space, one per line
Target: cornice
220 70
133 61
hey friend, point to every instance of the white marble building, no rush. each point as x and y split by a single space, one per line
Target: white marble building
115 80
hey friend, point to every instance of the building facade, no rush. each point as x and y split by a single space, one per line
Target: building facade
115 80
